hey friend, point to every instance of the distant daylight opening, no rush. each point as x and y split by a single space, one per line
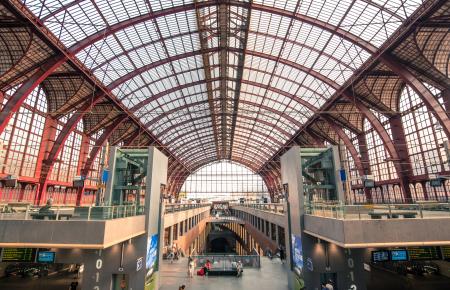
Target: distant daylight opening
224 180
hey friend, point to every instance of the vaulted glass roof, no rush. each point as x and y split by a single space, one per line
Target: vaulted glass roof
228 79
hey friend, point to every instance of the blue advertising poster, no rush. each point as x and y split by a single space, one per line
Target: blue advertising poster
297 260
151 261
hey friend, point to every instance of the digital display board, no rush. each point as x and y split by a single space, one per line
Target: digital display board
46 257
380 256
18 255
399 255
424 253
446 252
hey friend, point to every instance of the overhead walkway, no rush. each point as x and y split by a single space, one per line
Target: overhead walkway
271 275
384 225
92 227
359 226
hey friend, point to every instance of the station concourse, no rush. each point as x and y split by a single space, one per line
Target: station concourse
224 144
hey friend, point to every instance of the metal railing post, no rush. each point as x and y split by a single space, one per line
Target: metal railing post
57 213
420 211
27 212
89 212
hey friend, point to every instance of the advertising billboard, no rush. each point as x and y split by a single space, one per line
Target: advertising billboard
151 262
297 260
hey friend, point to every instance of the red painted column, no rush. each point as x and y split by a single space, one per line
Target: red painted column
84 154
48 138
399 138
365 162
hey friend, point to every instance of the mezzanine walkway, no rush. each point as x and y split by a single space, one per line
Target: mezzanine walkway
271 275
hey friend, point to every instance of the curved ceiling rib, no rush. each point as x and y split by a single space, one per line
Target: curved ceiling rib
223 78
150 66
180 35
77 47
185 122
257 133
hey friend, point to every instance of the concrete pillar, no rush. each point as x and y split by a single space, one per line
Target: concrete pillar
270 231
277 235
170 235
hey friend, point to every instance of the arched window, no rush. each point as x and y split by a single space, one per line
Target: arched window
21 139
66 164
380 168
423 134
94 172
224 180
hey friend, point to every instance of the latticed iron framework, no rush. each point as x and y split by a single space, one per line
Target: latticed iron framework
228 79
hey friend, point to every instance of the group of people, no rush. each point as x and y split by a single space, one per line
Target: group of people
280 252
205 269
173 253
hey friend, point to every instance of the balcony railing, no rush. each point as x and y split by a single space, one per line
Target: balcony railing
176 207
277 208
378 211
31 212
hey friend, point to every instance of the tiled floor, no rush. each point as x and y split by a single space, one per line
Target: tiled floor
272 275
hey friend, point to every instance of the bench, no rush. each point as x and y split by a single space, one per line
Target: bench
392 214
223 272
52 214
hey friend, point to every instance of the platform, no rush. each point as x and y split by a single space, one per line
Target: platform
272 275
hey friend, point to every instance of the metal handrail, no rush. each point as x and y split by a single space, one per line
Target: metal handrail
65 212
176 207
378 211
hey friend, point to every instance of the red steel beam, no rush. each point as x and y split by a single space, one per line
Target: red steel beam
68 128
427 97
19 96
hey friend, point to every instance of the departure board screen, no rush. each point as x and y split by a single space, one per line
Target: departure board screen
446 252
18 255
380 256
424 253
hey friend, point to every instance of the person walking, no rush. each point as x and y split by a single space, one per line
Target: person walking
191 267
170 255
239 268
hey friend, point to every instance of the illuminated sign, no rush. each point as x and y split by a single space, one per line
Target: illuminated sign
18 255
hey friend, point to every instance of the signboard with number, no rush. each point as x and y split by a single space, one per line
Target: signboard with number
18 255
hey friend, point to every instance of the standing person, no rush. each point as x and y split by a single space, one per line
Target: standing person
207 267
329 285
170 255
282 254
182 287
191 268
73 285
239 269
323 287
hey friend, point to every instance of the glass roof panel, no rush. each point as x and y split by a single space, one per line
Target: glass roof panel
178 78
